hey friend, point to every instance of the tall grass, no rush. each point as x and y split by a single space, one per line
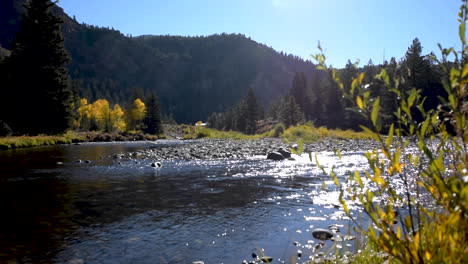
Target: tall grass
41 140
307 133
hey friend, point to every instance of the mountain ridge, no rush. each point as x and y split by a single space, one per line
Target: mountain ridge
193 76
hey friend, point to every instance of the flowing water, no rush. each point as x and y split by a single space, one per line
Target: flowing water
216 211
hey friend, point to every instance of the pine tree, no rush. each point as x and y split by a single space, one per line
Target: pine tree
290 112
299 91
152 120
253 112
38 92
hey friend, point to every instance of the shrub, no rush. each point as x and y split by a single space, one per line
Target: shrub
278 130
430 164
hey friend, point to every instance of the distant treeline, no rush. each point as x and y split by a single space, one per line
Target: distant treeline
321 100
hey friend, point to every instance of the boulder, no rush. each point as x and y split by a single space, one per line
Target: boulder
322 234
275 156
286 153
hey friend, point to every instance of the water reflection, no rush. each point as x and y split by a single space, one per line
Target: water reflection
125 211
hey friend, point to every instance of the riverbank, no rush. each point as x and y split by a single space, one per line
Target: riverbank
304 133
201 149
69 138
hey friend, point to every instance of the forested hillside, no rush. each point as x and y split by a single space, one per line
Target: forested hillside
193 76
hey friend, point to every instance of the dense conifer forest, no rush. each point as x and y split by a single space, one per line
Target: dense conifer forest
228 79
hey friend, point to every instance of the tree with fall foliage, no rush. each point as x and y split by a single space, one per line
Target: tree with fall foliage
136 115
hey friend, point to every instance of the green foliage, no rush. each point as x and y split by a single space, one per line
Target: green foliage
242 117
152 119
37 98
278 130
420 152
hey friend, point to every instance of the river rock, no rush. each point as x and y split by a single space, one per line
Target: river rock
266 259
198 262
156 165
322 234
286 153
275 156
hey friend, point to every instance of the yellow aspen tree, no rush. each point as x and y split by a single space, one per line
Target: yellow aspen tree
100 111
117 118
84 115
136 115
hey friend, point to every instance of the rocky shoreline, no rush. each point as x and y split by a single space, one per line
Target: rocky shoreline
236 149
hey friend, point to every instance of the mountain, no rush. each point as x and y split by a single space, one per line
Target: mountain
193 76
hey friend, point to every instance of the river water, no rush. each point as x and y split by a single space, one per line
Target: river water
216 211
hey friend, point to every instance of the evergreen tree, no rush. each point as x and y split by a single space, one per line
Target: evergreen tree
152 120
290 112
335 112
38 95
253 112
299 90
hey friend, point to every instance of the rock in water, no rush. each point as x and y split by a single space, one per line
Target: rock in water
266 259
275 156
322 234
198 262
286 153
156 165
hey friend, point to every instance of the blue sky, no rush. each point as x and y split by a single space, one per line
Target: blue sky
347 29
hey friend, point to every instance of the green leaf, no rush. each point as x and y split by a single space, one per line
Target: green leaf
453 103
425 125
357 175
465 71
461 33
367 130
335 179
384 76
338 153
412 98
375 110
389 140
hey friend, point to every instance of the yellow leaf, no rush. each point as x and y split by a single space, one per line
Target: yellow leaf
428 255
359 102
465 71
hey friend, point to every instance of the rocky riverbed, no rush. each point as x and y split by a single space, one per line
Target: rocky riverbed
229 148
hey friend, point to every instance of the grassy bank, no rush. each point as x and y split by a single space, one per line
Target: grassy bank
306 133
70 137
41 140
